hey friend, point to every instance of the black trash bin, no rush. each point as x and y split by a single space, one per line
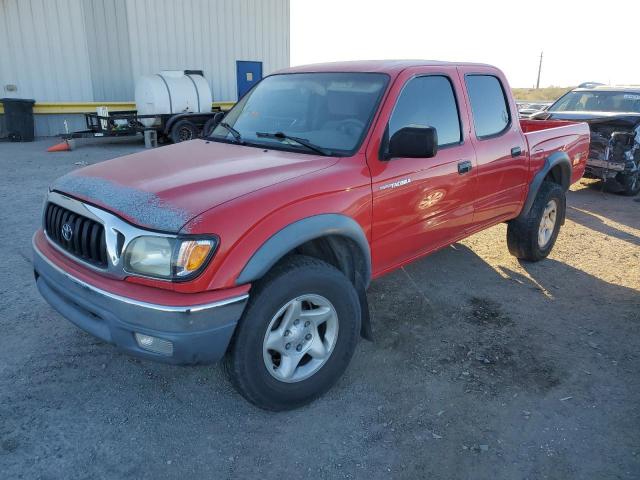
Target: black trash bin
18 119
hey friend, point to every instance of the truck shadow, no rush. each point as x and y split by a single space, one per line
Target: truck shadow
588 198
480 326
589 220
477 335
574 288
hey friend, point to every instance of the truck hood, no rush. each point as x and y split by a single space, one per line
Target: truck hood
164 188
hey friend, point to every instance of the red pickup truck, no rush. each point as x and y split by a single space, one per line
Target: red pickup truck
257 243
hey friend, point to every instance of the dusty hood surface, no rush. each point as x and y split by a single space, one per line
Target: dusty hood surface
164 188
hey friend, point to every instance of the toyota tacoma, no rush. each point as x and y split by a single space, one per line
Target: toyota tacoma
256 244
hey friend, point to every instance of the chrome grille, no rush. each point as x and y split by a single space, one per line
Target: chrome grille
84 237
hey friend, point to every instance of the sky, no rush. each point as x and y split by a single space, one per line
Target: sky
581 42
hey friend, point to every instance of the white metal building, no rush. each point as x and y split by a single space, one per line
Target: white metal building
93 50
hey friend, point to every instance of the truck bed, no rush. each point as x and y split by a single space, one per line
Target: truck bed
546 136
529 126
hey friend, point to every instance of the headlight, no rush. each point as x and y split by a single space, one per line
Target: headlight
168 257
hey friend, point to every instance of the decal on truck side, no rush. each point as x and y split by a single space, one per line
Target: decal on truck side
397 184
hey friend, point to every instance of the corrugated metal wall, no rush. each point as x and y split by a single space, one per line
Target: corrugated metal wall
93 50
107 33
43 50
208 35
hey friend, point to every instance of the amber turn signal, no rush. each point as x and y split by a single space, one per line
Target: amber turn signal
192 256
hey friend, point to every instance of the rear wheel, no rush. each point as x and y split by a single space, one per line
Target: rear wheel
183 131
297 335
532 237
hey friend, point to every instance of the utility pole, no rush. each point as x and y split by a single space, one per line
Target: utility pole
539 69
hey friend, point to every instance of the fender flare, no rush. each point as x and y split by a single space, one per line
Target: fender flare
300 232
553 160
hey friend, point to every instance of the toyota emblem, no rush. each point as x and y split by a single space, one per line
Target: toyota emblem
67 232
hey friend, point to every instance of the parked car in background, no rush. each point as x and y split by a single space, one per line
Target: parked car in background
258 243
613 114
525 110
589 84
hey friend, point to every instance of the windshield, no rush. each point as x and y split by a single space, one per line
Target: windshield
598 101
331 111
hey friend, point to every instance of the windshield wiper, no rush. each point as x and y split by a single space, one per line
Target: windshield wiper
236 134
300 141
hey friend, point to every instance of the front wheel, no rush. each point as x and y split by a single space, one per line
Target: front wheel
531 237
297 335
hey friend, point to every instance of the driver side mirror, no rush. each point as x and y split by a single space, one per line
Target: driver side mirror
413 142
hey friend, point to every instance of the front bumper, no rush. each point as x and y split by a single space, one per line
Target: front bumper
198 333
603 169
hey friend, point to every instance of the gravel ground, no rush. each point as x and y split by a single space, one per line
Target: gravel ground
483 367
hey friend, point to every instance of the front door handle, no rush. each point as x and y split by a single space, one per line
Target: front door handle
464 167
516 151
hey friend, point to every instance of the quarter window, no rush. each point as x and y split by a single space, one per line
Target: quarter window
428 102
488 105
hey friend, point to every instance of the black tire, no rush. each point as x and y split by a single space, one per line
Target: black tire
209 126
247 369
183 131
630 183
522 232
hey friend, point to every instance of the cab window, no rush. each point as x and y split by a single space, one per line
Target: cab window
428 101
488 105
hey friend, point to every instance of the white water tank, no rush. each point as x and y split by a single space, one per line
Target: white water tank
171 91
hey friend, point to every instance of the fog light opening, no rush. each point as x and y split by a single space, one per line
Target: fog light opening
154 344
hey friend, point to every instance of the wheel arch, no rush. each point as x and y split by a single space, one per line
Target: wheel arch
318 236
557 169
335 238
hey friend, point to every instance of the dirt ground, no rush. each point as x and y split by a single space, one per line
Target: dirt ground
483 367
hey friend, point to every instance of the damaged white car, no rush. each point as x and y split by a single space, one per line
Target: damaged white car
613 114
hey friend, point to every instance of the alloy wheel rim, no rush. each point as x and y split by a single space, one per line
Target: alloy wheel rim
547 223
300 338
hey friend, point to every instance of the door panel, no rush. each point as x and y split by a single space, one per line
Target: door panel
247 74
500 180
501 175
419 204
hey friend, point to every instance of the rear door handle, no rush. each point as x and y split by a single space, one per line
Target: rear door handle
516 151
464 167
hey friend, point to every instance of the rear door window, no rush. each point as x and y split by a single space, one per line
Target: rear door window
488 104
428 101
